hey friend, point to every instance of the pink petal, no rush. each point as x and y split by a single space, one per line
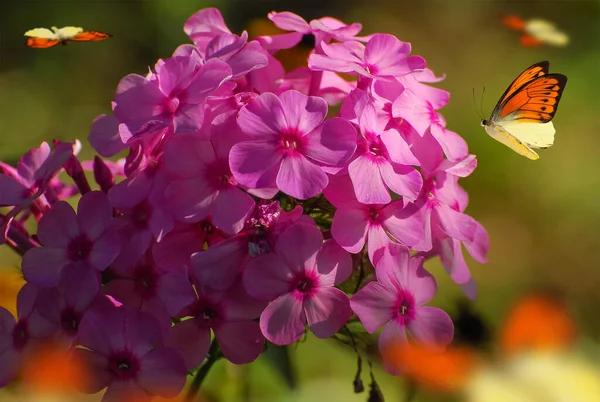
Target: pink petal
480 245
187 156
192 341
298 246
367 181
300 178
406 225
219 266
349 229
240 306
303 113
189 118
327 311
7 322
334 264
163 372
105 249
402 180
250 57
432 326
175 291
317 62
126 390
263 118
267 277
80 288
453 260
333 143
374 305
97 365
13 192
283 321
94 214
461 168
231 208
191 200
202 26
43 266
392 333
454 145
386 53
377 239
456 224
255 164
58 226
289 22
241 342
104 136
398 149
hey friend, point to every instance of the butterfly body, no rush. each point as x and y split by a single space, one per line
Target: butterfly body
522 117
42 38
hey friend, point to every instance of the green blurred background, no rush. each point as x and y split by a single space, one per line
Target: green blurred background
543 217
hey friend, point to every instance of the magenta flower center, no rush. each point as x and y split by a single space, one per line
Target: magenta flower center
374 214
20 335
79 248
405 307
207 228
304 284
207 312
141 215
376 146
145 281
69 321
123 365
291 143
219 175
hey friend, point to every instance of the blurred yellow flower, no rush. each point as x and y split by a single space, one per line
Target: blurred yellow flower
11 281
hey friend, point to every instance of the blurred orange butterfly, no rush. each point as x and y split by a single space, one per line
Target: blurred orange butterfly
536 32
42 38
521 118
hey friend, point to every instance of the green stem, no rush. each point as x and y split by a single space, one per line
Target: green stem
214 354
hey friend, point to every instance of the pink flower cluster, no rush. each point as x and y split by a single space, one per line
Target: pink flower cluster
248 194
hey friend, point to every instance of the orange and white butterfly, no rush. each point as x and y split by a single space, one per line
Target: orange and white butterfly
536 31
42 38
521 118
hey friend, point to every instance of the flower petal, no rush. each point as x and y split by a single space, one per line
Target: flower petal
162 372
402 180
327 311
374 305
349 229
334 264
241 342
266 277
255 164
94 214
283 321
333 143
298 245
367 181
432 326
302 113
43 265
58 226
192 341
263 118
300 178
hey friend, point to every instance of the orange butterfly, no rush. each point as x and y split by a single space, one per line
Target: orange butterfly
521 118
536 31
42 38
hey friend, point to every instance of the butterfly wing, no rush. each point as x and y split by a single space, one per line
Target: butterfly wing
41 38
41 43
546 32
537 70
69 32
522 117
90 36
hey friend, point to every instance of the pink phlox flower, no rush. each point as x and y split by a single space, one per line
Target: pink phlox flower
124 351
377 224
33 185
146 286
220 265
205 184
384 57
290 142
444 202
397 301
383 158
175 249
145 214
323 29
104 135
230 315
174 101
204 26
66 304
299 281
19 338
71 241
417 82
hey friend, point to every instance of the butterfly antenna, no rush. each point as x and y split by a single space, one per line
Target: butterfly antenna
475 106
481 102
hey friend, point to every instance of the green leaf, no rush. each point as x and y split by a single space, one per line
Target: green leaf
278 357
